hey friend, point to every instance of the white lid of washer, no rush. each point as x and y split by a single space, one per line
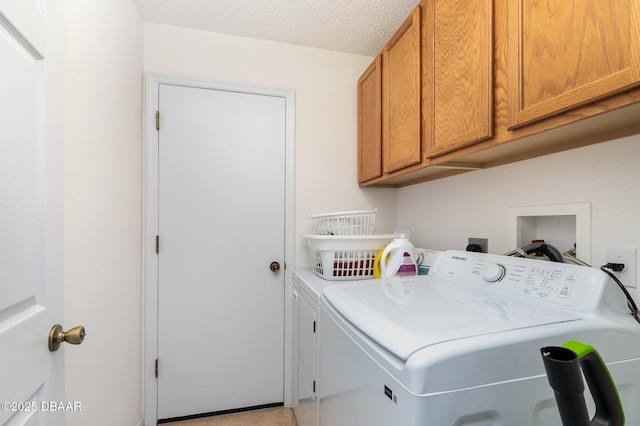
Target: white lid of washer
408 317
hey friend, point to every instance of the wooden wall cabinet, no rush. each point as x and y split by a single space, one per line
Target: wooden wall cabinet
563 54
389 106
503 81
458 73
437 91
401 97
370 122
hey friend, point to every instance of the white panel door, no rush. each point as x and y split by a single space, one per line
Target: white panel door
221 223
31 241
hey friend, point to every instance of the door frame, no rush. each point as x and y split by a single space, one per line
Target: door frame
150 350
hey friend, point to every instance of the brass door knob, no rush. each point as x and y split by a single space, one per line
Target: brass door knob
275 266
57 335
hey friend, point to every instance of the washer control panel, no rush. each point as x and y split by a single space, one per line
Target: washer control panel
566 285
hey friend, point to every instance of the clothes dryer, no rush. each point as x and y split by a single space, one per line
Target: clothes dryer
461 346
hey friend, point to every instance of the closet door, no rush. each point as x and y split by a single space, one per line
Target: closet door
221 192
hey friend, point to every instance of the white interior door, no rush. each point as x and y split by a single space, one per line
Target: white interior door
31 240
221 195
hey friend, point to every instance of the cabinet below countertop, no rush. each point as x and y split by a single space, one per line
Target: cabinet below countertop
307 291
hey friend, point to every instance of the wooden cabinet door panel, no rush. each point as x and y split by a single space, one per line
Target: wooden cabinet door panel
563 54
459 101
401 95
370 122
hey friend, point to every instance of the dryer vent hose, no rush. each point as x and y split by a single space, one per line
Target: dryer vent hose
548 250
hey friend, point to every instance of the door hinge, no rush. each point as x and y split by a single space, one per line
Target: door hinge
157 244
157 120
314 326
156 368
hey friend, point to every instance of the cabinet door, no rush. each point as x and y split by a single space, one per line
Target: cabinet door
567 53
370 122
307 344
401 96
458 78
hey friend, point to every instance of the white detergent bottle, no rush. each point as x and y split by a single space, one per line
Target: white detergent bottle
398 268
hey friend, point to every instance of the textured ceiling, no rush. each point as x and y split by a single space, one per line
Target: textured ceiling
352 26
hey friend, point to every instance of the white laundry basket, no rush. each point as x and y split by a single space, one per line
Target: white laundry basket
349 257
360 222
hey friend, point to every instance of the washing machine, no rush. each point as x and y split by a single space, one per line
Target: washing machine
461 346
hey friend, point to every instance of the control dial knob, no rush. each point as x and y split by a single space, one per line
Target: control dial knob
494 272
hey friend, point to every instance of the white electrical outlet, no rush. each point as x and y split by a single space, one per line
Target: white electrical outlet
626 255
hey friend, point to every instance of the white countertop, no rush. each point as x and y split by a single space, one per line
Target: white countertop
312 284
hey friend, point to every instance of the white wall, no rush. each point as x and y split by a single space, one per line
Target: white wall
103 210
442 214
326 107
